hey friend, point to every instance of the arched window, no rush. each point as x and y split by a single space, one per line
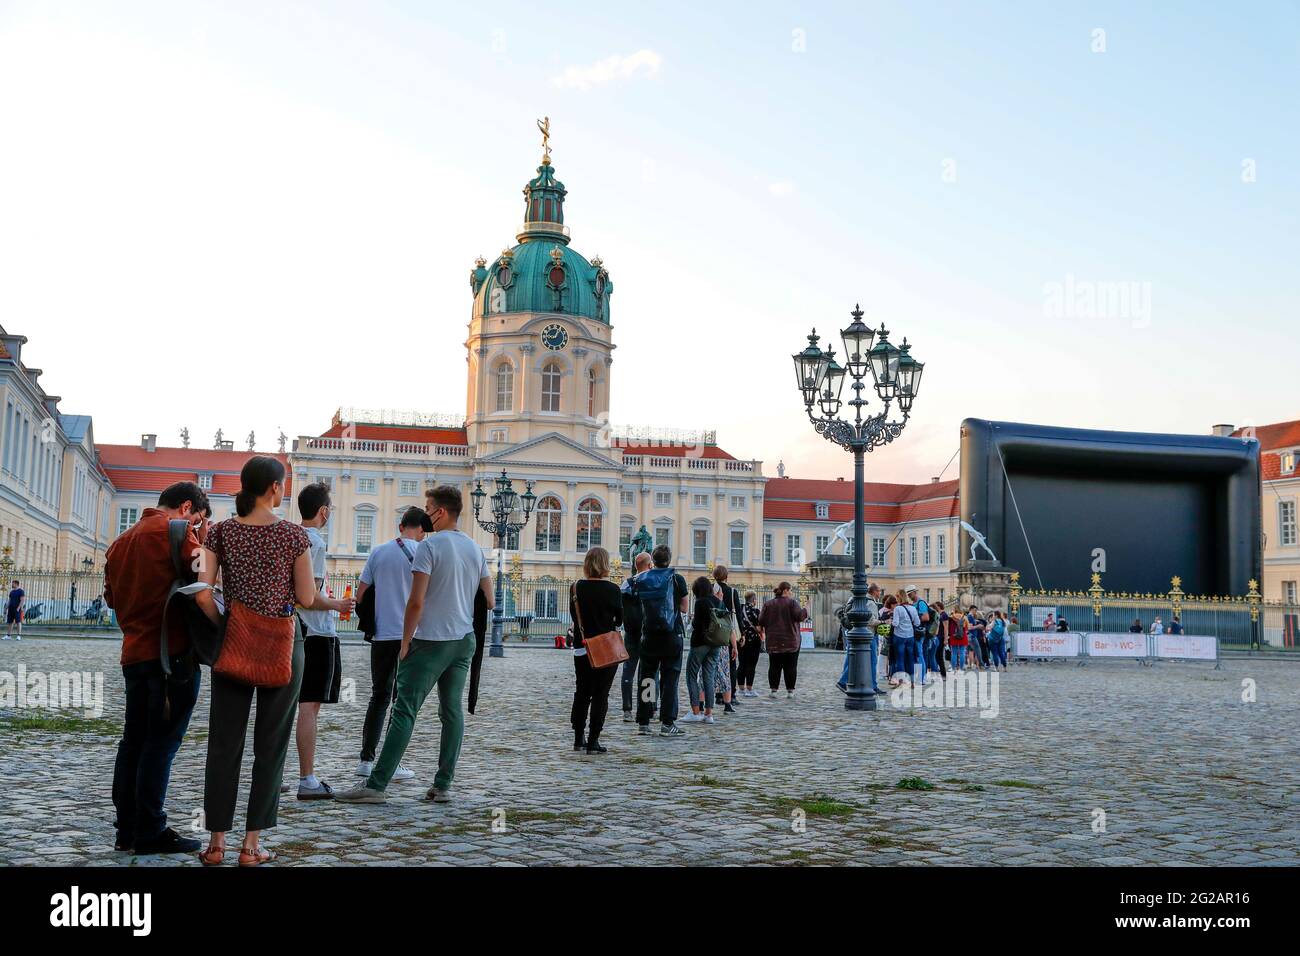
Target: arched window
591 393
547 518
590 515
505 387
551 387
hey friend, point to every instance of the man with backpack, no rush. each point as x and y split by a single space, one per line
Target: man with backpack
385 587
663 595
139 572
927 636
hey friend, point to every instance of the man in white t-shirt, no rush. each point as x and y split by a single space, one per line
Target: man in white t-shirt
437 646
388 572
322 668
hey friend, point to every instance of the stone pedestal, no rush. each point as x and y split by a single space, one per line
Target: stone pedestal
987 585
832 579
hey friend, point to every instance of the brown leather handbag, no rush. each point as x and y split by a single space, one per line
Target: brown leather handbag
258 650
603 650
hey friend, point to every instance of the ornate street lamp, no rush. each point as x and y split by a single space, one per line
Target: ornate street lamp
510 512
896 376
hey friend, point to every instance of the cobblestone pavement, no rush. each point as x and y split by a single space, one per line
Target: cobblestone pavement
1184 771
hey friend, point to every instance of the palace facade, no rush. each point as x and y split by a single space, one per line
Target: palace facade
540 350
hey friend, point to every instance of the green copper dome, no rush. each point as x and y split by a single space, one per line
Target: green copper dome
541 273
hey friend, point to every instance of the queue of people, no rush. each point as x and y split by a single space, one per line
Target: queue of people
914 640
247 596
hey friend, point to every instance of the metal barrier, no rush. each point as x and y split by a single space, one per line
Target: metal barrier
62 598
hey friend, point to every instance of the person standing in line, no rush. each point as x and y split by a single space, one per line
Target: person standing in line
779 625
750 646
1049 623
725 658
663 595
957 640
388 571
700 671
885 635
14 610
1157 626
873 605
138 575
907 625
940 638
978 646
322 669
632 617
596 607
998 641
265 566
1136 627
437 647
1175 625
924 633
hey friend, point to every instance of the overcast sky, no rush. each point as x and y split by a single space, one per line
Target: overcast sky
243 215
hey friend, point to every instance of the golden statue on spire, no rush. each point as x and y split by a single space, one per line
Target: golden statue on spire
544 124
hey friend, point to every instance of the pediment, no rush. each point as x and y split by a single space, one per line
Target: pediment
554 450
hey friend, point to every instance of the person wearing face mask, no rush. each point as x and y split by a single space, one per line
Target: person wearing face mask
437 647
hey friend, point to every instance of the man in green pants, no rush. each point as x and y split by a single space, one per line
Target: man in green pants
437 646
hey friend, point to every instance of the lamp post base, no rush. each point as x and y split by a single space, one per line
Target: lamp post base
867 702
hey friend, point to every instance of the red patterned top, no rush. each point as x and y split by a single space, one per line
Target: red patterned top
256 563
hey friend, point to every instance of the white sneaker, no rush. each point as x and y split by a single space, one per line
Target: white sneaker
772 696
365 768
707 719
628 717
5 638
403 773
691 718
789 694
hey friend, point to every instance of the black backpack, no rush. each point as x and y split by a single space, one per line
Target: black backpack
205 637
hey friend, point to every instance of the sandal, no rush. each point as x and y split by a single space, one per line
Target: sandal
212 856
249 857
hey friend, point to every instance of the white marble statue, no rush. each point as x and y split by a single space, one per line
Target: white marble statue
977 541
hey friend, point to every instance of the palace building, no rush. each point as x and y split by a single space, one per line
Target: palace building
540 346
540 349
55 499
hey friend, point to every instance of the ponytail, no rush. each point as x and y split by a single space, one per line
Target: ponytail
255 479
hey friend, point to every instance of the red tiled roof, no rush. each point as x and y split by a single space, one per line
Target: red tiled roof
125 480
431 436
131 468
1278 435
673 451
796 499
183 459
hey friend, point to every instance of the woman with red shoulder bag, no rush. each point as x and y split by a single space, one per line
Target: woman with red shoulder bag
265 570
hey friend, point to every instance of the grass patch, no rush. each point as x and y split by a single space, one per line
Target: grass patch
955 780
797 858
972 788
704 780
817 805
55 723
880 840
914 783
1022 784
636 761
